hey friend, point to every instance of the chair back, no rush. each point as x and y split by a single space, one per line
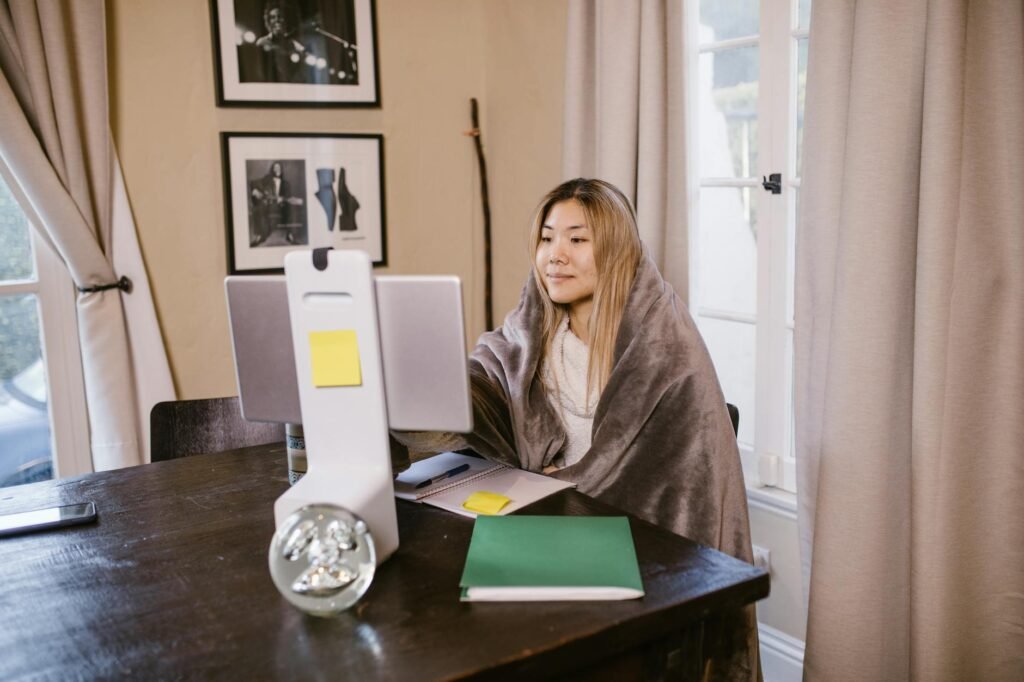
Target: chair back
734 415
179 428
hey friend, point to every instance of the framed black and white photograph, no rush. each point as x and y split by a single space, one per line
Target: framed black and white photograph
287 191
295 52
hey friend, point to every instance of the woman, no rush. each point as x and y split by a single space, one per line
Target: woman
600 377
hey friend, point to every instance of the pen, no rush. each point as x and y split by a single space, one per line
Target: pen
448 474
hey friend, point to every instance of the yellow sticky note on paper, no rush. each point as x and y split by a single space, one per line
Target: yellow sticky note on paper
334 356
483 502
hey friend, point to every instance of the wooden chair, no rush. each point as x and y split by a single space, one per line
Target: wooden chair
180 428
734 415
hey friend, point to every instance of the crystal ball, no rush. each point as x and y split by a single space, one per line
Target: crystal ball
322 559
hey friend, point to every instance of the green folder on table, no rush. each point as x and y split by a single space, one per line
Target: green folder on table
551 558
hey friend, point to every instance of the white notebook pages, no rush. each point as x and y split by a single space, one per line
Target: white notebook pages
449 492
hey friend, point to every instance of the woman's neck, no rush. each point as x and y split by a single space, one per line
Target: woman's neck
579 319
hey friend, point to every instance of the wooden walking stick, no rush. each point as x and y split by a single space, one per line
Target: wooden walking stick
486 201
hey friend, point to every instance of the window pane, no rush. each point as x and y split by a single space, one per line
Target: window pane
731 345
724 19
25 451
804 15
727 250
727 116
801 88
16 260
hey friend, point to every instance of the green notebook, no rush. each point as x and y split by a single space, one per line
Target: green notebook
551 558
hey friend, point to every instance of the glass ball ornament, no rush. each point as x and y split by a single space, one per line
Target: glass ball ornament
322 559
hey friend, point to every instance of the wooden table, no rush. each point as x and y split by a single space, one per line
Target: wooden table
172 582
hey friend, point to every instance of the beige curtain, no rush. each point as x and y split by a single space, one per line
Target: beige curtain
56 141
624 115
910 341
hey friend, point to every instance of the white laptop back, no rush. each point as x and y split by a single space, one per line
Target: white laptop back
423 352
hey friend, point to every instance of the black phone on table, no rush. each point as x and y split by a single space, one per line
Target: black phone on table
42 519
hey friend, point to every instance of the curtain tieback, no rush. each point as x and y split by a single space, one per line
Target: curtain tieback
124 284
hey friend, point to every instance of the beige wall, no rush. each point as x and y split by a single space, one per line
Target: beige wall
525 69
434 56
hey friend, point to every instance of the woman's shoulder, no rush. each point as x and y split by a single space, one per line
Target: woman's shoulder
519 335
664 314
665 336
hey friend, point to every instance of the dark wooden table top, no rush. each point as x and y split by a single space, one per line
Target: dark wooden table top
172 582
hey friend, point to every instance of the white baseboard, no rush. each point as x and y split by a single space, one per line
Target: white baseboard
782 656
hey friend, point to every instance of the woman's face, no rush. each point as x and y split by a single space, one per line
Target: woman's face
565 255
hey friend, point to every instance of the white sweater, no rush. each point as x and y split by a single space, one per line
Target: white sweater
564 373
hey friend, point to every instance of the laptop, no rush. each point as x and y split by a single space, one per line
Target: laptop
423 351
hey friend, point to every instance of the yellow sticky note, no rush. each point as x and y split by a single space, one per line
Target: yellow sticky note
334 356
483 502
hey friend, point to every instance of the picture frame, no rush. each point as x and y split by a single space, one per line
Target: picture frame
289 191
295 53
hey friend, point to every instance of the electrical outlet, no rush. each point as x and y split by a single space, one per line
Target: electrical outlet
763 558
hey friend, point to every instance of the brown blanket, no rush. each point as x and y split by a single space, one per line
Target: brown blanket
663 445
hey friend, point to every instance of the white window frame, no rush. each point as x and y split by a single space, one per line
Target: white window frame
769 461
58 329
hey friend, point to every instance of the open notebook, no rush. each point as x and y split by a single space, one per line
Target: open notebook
479 475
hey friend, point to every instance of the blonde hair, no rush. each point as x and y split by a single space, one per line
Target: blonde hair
612 222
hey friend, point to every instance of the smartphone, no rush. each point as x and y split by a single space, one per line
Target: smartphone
41 519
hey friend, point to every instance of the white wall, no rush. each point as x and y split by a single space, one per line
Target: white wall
782 616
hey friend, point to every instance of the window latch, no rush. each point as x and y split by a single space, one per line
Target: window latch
773 183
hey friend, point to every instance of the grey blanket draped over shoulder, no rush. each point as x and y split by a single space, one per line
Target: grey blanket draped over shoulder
663 445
